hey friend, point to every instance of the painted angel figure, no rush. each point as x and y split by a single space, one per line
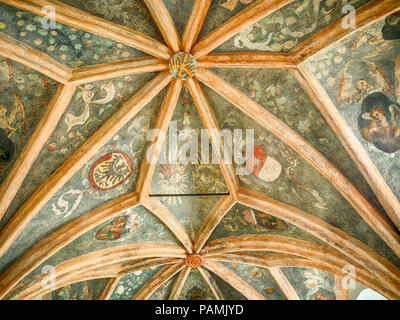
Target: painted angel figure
379 122
384 134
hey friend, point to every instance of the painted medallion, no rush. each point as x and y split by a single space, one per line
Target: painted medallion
110 171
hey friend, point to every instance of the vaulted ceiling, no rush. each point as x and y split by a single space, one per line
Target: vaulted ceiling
88 212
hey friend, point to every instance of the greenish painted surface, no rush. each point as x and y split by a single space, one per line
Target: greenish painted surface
24 97
196 288
311 284
359 74
67 45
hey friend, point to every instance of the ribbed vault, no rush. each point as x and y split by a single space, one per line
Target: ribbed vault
314 243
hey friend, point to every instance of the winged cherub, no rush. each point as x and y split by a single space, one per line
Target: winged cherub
384 134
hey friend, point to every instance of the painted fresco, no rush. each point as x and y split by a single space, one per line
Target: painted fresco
259 278
24 97
86 290
311 284
242 220
140 225
164 291
78 195
283 30
67 45
190 175
361 76
195 288
280 93
229 293
130 284
180 11
299 184
218 14
129 13
91 106
190 212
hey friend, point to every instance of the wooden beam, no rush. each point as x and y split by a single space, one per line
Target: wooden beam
165 24
95 265
211 283
275 260
213 219
117 69
239 22
278 128
284 245
61 238
247 60
22 291
365 15
179 283
115 270
137 265
33 59
62 175
353 248
350 142
233 279
109 288
284 284
211 124
36 142
157 281
162 213
79 19
280 260
149 162
195 23
340 292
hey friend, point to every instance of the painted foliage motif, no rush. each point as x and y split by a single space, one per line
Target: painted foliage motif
289 26
74 292
361 75
188 174
300 184
67 45
113 171
259 278
130 284
24 96
130 13
311 284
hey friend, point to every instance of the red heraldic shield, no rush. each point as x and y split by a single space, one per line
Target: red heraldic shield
263 166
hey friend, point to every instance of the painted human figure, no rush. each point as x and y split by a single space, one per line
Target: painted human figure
381 132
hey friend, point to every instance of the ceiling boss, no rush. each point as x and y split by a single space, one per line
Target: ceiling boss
182 66
194 260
